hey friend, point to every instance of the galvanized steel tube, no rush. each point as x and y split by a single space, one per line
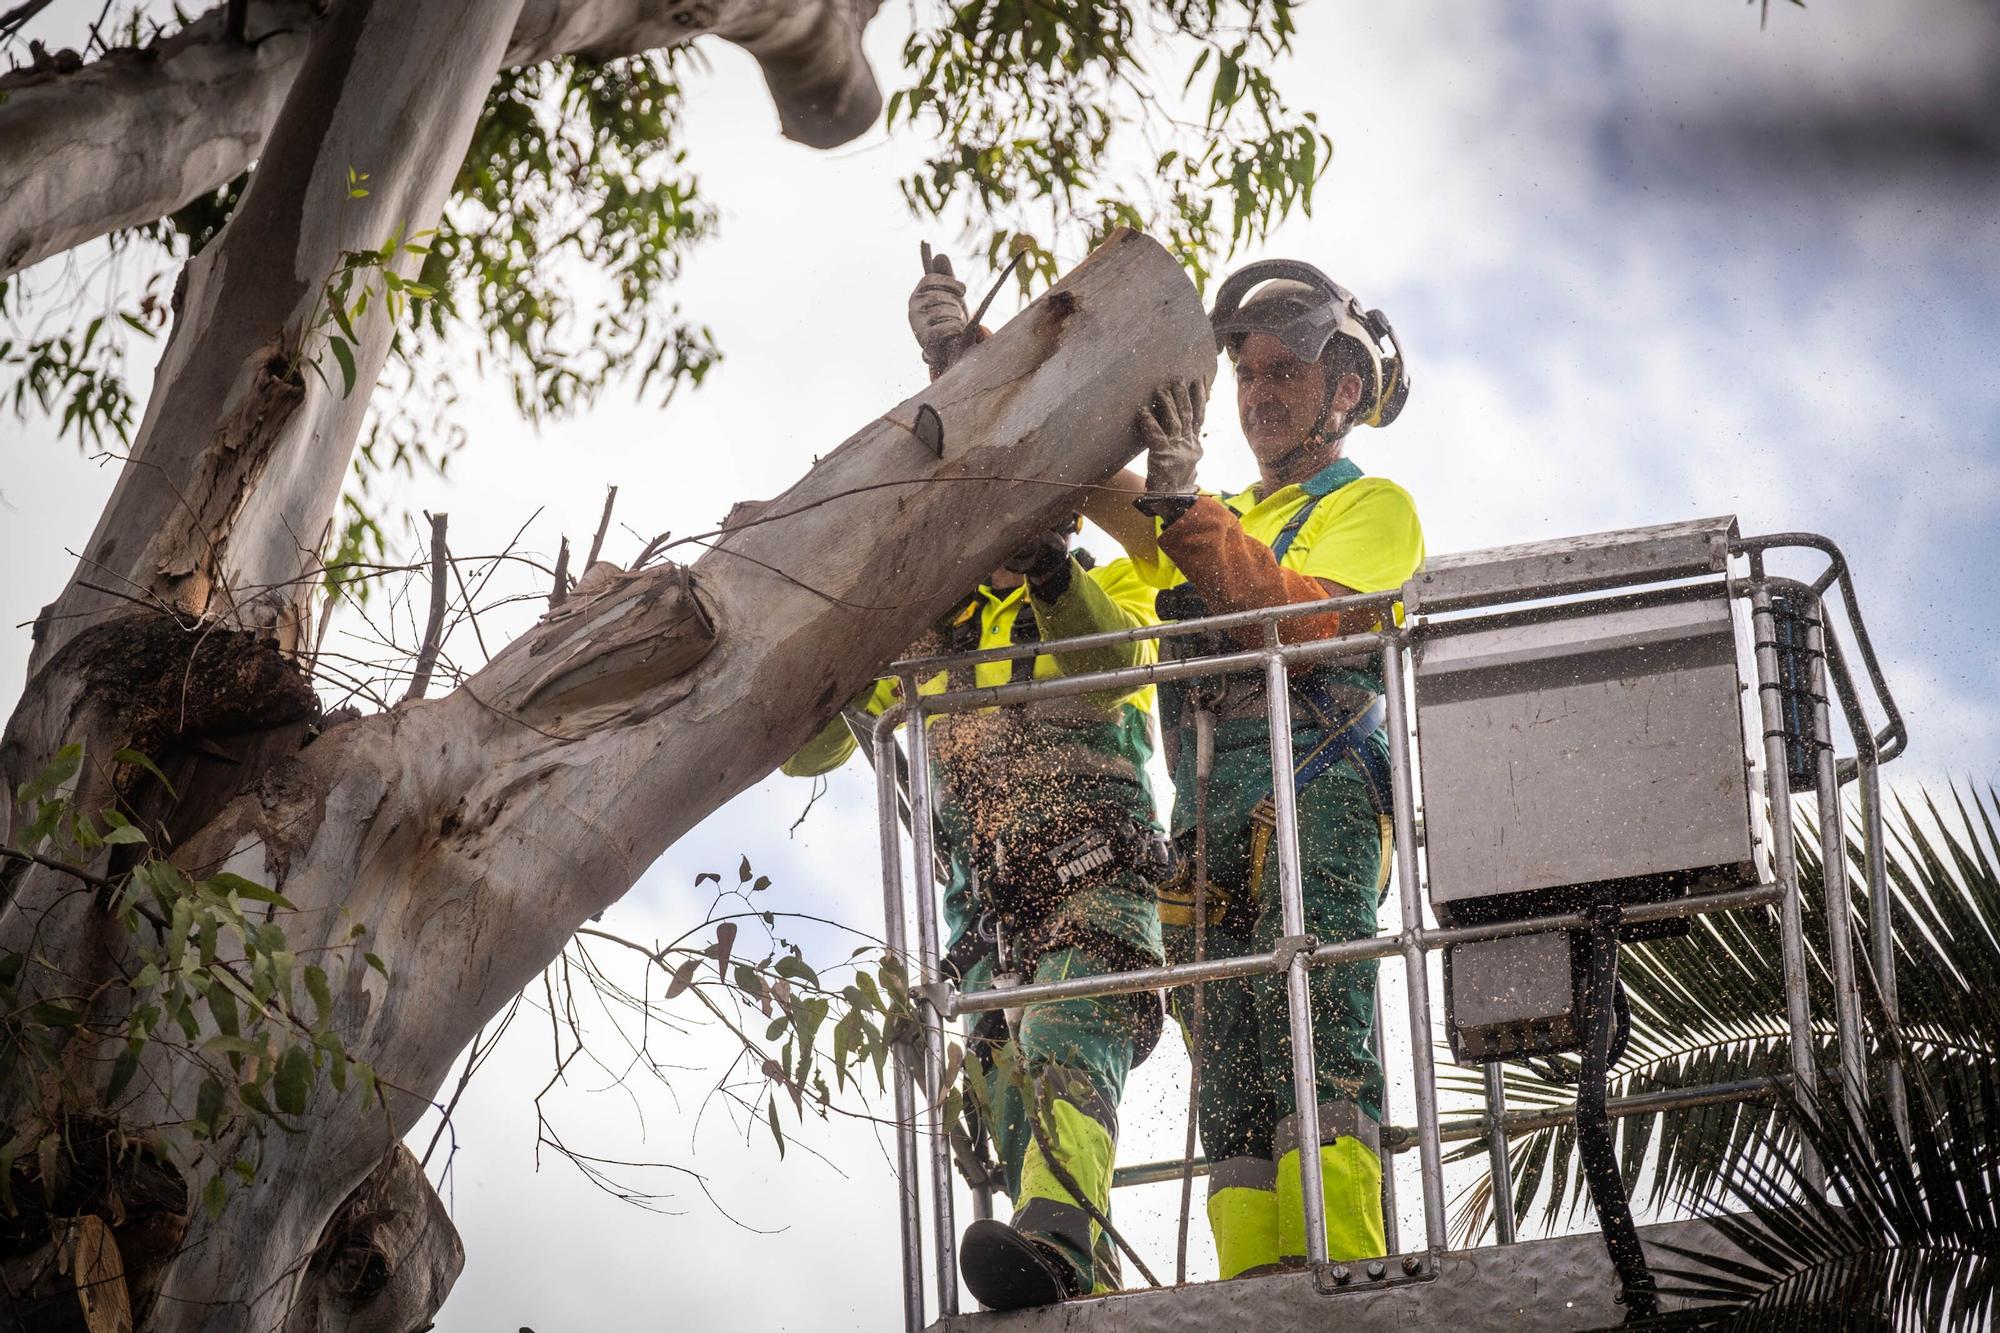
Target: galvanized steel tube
945 1242
1292 909
1340 951
1882 940
1392 1229
1833 875
1881 898
1165 629
1401 1138
971 698
1499 1171
1784 863
909 1214
1416 965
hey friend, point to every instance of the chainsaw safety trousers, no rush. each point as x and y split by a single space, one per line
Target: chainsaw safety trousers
1068 1062
1240 552
1243 1214
1246 1049
1350 1173
1007 786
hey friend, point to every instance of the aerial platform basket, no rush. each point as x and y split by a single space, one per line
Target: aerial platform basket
1618 718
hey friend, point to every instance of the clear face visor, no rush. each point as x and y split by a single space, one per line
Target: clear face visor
1303 320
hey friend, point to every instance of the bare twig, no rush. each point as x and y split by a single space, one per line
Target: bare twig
420 677
475 1056
561 589
319 634
97 38
63 867
471 613
603 525
16 18
652 549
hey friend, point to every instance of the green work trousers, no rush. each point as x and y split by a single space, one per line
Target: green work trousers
1070 1059
1245 1057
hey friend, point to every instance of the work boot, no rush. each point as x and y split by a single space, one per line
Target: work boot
1007 1269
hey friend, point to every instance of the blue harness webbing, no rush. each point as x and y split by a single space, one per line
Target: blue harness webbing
1350 737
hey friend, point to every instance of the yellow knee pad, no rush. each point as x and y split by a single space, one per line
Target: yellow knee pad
1351 1175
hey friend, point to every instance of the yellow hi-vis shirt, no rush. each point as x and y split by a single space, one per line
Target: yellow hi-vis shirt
1363 535
1111 596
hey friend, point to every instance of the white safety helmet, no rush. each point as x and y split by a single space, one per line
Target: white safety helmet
1306 311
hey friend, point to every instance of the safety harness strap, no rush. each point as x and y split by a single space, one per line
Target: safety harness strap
1350 738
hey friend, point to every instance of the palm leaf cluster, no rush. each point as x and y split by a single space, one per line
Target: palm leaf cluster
1709 1008
1906 1234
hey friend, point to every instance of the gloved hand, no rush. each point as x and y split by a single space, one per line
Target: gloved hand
1170 427
937 313
1040 555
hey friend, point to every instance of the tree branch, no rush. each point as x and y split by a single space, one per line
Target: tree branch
61 867
420 675
93 151
603 524
16 18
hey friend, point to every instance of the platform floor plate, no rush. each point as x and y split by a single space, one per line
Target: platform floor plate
1562 1284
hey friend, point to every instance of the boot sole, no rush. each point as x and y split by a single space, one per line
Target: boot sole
1005 1270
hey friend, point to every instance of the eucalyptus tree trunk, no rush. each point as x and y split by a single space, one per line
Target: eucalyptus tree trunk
471 834
130 137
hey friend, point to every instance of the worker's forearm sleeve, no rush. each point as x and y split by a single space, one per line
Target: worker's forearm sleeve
1085 608
823 753
1233 571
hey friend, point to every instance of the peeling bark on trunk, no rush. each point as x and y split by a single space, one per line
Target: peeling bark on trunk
135 135
237 465
473 833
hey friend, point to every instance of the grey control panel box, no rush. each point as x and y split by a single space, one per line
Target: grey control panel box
1512 997
1589 751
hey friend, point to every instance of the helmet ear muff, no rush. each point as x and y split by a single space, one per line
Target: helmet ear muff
1393 384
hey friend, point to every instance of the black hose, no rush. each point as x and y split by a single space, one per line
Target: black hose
1621 1010
1596 1148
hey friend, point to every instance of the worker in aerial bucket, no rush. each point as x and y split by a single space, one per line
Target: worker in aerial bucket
1310 364
1047 819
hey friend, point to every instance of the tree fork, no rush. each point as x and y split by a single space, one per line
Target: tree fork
473 833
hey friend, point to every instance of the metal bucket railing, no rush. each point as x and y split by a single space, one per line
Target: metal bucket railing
1414 938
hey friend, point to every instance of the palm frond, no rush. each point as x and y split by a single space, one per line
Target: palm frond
1907 1237
1709 1007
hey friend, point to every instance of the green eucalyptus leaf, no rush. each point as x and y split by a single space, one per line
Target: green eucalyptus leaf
228 882
222 1008
321 993
343 355
294 1080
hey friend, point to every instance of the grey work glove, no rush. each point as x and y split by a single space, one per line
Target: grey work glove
1170 428
938 315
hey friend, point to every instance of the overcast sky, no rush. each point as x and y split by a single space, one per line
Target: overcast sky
1649 262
